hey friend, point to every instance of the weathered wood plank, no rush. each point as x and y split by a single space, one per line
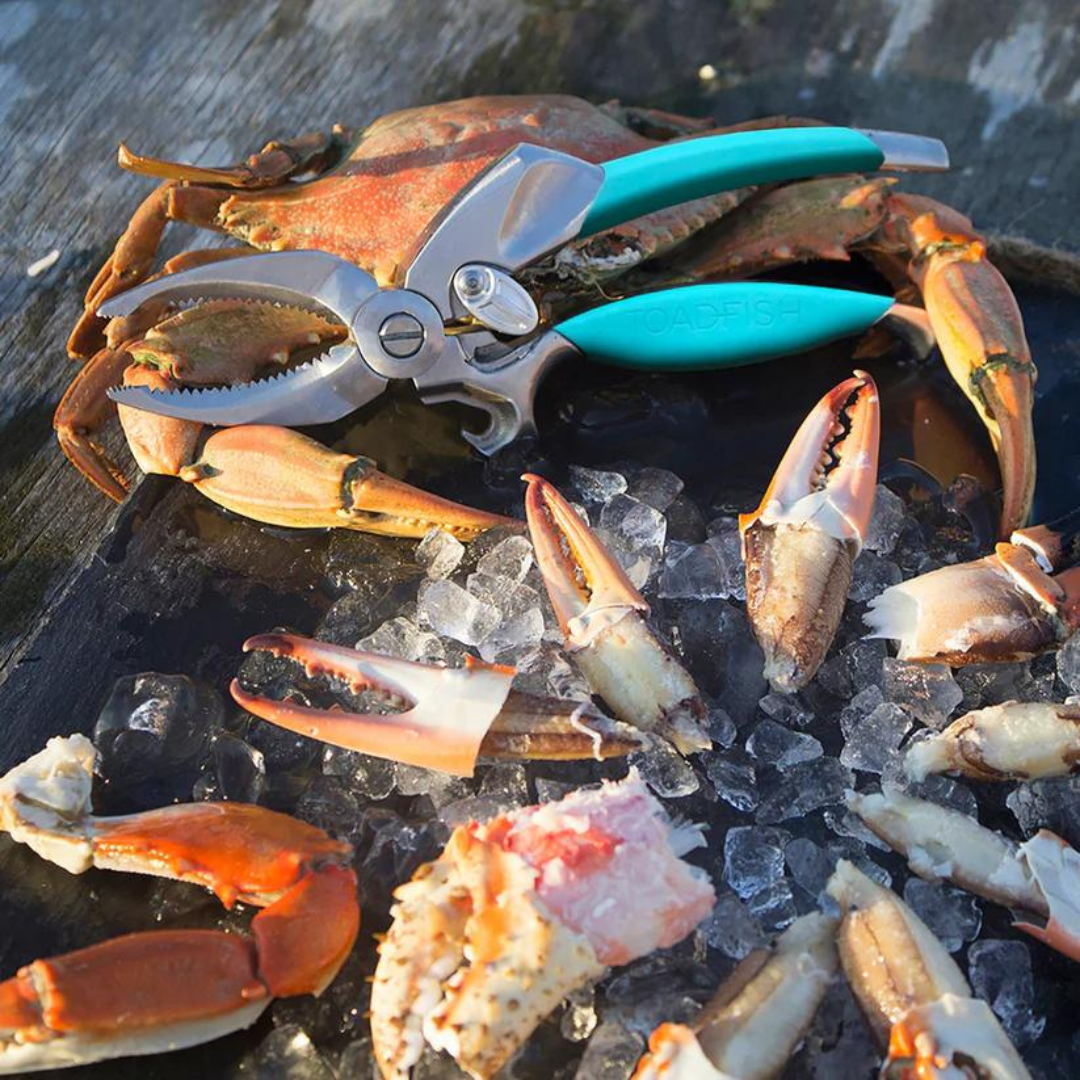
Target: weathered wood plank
210 81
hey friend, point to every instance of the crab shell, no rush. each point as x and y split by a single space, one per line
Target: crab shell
518 912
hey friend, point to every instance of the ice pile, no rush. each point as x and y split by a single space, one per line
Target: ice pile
770 793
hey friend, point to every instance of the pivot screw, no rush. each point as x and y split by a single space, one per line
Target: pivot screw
401 335
473 282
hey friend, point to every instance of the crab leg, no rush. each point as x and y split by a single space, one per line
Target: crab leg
978 326
801 543
151 992
602 617
1017 740
452 715
276 475
1039 879
913 995
1056 544
758 1016
519 911
1001 607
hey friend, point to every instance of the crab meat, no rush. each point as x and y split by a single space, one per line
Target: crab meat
1040 879
518 912
753 1024
151 992
448 717
1017 740
801 543
603 620
1001 607
913 995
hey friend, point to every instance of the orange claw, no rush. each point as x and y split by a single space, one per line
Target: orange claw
157 991
451 715
980 331
278 476
800 544
602 617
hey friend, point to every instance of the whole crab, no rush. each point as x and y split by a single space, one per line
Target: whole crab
370 197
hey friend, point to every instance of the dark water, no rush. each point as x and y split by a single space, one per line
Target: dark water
181 584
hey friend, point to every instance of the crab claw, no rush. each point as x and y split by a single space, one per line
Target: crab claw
602 617
161 990
1001 607
521 910
451 715
913 995
1017 740
800 544
1038 880
757 1017
276 475
978 326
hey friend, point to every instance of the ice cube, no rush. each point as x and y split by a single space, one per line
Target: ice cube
873 575
753 858
927 691
236 772
451 611
439 553
402 638
440 787
788 709
803 788
1048 804
652 991
327 804
859 708
656 487
774 906
888 519
514 637
1000 973
876 739
579 1020
728 547
839 1043
684 521
734 781
732 928
156 728
810 865
856 667
511 559
365 776
773 744
1068 663
721 727
612 1053
640 525
596 485
951 914
692 571
665 770
287 1053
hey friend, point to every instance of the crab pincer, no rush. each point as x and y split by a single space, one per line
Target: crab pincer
1038 880
150 992
603 620
1016 740
447 716
519 911
801 543
757 1017
916 1000
1002 607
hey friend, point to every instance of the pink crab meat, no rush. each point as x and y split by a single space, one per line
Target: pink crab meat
609 866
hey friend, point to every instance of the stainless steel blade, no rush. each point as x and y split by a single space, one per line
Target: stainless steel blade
299 278
322 390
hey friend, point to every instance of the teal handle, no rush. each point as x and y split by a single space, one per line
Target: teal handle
729 324
677 172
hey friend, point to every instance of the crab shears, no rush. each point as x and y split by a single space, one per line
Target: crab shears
463 329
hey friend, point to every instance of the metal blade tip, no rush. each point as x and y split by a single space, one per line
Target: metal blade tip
914 153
